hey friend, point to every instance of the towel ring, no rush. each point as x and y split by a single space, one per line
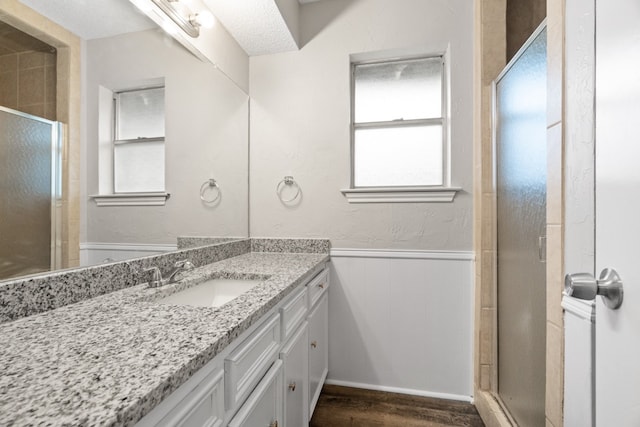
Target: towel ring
210 183
288 180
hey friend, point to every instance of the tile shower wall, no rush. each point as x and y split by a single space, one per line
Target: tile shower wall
28 83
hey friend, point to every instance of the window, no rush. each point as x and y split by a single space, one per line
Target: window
399 127
138 145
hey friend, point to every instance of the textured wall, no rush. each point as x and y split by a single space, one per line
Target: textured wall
579 174
300 125
206 136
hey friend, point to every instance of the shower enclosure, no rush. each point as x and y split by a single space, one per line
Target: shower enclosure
521 165
30 194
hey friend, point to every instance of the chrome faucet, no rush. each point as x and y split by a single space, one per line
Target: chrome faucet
179 267
156 276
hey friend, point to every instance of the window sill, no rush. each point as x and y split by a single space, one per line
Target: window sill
131 199
401 194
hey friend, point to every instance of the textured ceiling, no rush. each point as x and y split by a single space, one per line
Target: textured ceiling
93 19
257 25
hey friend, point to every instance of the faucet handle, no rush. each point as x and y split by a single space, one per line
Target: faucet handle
184 264
156 276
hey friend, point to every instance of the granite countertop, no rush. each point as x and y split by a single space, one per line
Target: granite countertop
109 360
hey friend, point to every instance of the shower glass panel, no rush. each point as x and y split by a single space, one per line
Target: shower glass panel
29 194
521 158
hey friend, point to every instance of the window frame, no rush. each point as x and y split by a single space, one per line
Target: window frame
409 193
116 141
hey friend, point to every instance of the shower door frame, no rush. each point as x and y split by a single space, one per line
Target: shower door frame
494 220
56 184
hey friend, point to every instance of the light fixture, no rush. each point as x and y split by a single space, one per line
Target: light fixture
187 20
202 19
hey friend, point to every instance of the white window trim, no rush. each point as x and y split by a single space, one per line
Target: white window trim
131 199
106 196
411 194
436 194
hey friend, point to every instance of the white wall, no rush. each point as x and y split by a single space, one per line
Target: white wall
206 136
300 125
400 320
579 210
579 161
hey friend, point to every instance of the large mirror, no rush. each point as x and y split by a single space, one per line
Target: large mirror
127 66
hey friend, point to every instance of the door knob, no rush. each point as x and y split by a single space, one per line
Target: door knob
585 286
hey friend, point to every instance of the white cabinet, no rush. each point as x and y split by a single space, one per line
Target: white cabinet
264 383
250 360
296 378
263 408
318 350
198 402
293 312
318 286
204 406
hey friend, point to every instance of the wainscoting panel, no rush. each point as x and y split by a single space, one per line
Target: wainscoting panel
100 253
402 321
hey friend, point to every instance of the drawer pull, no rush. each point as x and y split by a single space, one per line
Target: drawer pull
274 423
321 285
314 344
292 386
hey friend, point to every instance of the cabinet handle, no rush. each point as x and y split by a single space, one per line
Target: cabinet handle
292 386
321 285
314 344
274 423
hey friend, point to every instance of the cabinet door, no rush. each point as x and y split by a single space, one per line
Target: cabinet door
263 408
296 378
318 350
203 407
197 403
250 360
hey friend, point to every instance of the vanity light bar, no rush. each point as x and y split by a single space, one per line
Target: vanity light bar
188 24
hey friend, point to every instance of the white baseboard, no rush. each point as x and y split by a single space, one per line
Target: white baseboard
423 393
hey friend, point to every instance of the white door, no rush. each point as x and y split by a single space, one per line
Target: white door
618 209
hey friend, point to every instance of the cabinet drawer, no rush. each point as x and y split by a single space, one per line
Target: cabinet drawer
204 406
294 312
247 364
263 408
318 286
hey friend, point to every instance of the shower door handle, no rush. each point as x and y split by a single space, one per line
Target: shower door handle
542 249
585 286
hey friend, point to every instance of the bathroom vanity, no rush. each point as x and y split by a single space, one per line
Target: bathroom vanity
271 375
136 357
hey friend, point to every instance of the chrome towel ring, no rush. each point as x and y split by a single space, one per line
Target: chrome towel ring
287 181
210 184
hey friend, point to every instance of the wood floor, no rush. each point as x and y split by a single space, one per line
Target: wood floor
352 407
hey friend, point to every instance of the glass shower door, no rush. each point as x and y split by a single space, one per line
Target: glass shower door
30 189
521 164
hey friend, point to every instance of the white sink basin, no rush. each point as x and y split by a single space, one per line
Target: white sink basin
212 293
